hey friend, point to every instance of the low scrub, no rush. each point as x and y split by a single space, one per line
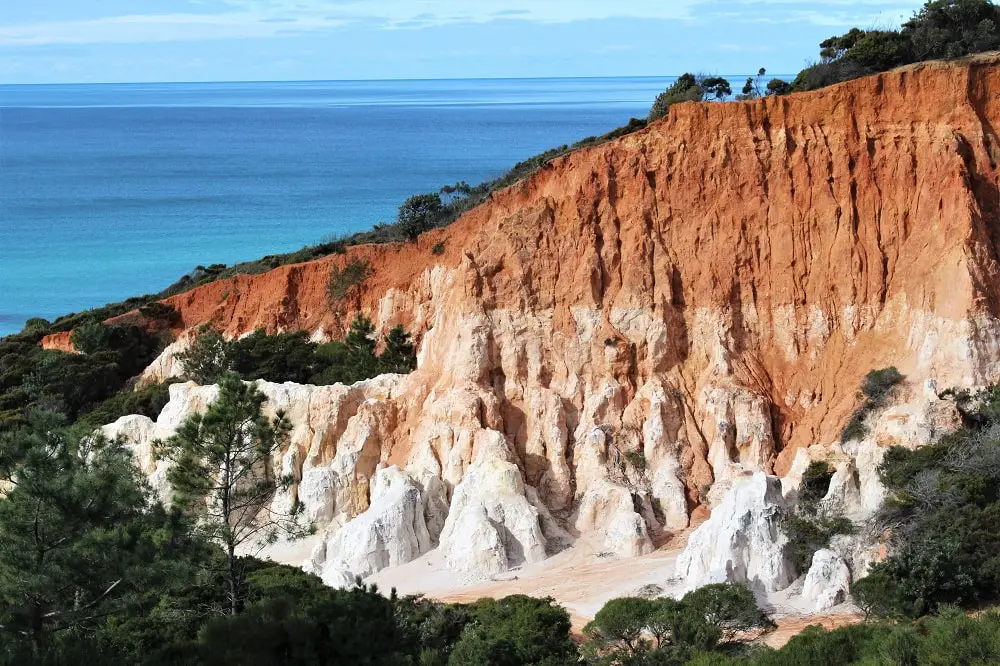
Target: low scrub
344 280
640 630
810 526
875 390
940 516
293 357
32 378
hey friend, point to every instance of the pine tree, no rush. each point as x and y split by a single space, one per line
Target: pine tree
208 358
71 531
222 473
360 362
399 356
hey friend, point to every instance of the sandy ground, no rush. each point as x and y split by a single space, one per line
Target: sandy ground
577 578
580 578
583 581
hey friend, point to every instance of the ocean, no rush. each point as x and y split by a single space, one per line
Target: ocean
110 191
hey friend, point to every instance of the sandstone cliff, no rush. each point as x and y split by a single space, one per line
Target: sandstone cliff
706 293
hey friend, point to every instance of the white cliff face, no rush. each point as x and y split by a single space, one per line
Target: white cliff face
738 429
491 525
391 532
141 433
493 501
742 541
605 508
828 582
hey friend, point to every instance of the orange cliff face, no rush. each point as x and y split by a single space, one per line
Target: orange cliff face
708 291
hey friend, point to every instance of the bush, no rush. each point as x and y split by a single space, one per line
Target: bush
778 87
941 29
282 357
148 401
636 630
942 508
684 89
808 533
637 460
809 527
875 389
514 631
420 213
878 384
815 482
438 248
208 358
343 280
293 357
90 337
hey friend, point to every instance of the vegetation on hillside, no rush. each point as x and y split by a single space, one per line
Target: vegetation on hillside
810 526
93 569
636 630
293 357
32 378
941 519
874 392
940 29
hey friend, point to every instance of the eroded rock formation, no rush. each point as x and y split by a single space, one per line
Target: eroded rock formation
617 343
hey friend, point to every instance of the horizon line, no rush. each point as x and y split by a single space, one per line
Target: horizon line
377 80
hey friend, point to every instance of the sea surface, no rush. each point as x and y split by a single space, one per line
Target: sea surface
110 191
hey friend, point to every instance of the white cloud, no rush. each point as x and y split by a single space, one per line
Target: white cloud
268 18
241 19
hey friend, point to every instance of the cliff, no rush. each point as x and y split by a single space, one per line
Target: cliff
707 292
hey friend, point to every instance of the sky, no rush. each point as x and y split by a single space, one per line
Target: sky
71 41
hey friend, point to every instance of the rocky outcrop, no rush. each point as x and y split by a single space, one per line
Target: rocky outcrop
390 532
657 327
742 541
828 581
491 525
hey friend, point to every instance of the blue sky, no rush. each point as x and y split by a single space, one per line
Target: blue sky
43 41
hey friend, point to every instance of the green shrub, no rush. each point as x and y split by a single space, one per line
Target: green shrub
293 357
515 630
855 428
636 630
684 89
809 527
438 248
90 337
636 459
942 508
940 29
282 357
420 213
875 389
877 385
148 401
344 279
160 312
778 87
808 533
36 325
208 358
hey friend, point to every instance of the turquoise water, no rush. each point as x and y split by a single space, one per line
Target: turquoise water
109 191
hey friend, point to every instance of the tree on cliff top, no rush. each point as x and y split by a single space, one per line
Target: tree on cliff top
222 474
940 29
420 213
684 89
